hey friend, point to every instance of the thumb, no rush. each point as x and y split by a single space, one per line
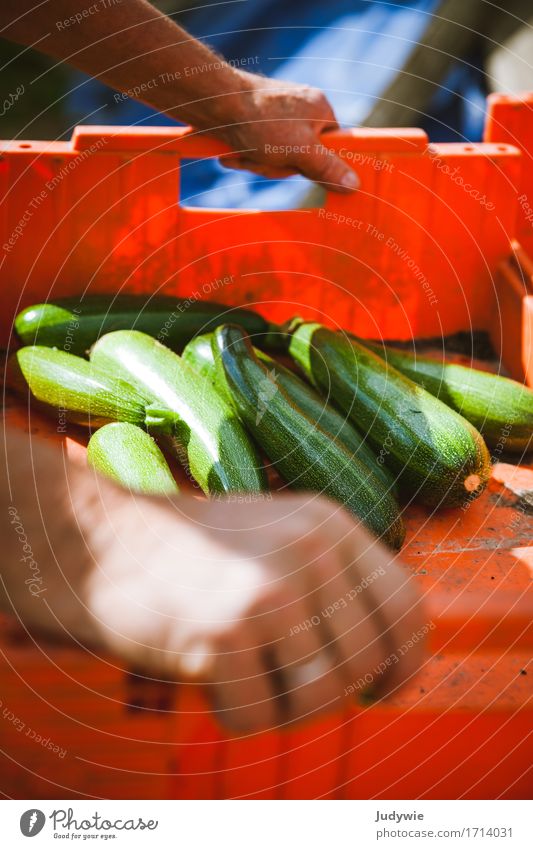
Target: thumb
324 167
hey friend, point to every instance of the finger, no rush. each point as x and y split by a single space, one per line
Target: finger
397 608
357 638
270 171
326 168
312 682
242 692
351 629
371 634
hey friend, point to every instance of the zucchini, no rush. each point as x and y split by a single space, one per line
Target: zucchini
74 324
82 392
440 457
199 354
304 455
129 456
500 408
207 436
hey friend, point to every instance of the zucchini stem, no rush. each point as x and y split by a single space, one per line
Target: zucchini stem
160 420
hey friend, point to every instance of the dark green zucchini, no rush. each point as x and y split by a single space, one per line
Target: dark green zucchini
129 456
199 354
74 324
208 437
304 455
440 458
81 392
500 408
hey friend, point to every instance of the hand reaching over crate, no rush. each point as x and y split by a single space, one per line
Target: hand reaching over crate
278 606
272 127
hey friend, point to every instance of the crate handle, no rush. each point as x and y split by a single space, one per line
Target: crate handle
187 143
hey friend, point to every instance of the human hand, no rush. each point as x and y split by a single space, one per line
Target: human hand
277 133
280 607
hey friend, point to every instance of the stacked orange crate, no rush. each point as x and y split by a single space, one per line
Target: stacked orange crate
418 251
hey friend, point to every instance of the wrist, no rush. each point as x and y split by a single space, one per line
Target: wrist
227 100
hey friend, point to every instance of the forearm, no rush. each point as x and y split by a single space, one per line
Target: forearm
48 506
133 47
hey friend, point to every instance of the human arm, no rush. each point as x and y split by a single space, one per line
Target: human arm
240 597
273 126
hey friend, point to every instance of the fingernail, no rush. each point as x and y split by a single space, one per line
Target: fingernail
350 180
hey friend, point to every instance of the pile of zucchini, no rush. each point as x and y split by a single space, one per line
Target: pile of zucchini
358 422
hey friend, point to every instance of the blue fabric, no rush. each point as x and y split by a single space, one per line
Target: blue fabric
351 49
457 111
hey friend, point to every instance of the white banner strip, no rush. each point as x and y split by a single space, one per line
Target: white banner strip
256 825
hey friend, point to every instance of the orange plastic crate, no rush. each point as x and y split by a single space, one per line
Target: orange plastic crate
427 247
